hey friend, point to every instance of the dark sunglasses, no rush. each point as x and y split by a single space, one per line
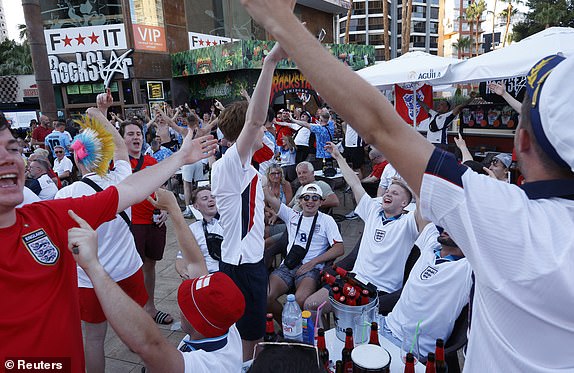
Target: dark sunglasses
58 152
314 198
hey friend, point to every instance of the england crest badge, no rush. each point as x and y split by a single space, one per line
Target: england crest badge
379 235
41 247
428 273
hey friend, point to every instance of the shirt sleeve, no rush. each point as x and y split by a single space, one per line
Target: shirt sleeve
332 231
228 173
366 207
285 213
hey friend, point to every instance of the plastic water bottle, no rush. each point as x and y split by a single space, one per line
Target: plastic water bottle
292 320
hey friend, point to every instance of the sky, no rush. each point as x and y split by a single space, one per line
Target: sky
14 17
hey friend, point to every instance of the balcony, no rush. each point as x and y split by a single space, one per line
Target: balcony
328 6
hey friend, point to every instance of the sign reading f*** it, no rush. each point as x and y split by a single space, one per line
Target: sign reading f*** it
85 39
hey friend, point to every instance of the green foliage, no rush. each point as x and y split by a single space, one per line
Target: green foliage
15 59
543 14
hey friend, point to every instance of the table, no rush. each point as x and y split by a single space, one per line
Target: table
335 346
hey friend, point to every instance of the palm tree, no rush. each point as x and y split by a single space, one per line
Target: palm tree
493 25
462 44
479 8
469 13
386 30
23 32
509 12
407 10
16 58
549 16
348 25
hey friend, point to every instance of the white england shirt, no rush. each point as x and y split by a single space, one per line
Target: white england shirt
519 243
384 248
239 198
49 189
434 293
117 249
227 359
441 120
326 232
197 229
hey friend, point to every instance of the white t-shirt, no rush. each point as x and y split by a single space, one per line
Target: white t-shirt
325 235
62 166
29 197
117 249
302 136
227 359
389 173
351 137
519 243
197 230
384 248
49 189
434 293
441 120
239 197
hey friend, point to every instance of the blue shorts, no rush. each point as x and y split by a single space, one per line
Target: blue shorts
251 279
290 278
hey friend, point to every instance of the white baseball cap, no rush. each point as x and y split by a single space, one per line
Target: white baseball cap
312 189
550 84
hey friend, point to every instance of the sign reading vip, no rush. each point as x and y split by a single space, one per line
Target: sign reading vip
90 67
85 39
151 38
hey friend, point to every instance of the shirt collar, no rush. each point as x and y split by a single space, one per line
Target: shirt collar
206 344
549 188
388 220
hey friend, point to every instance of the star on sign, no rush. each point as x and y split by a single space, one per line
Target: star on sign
200 41
80 39
67 41
208 43
93 38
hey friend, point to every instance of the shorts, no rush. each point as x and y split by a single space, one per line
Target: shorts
90 308
355 155
251 279
290 278
192 172
150 240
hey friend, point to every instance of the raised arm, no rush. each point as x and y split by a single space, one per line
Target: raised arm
424 105
132 324
459 107
257 110
136 187
500 90
461 144
350 176
165 200
104 101
373 117
273 201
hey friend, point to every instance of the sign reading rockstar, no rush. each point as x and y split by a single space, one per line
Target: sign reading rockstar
90 67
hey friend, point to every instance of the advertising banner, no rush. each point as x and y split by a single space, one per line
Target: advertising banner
197 40
85 39
149 38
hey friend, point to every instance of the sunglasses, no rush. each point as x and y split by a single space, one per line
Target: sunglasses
58 152
314 198
275 173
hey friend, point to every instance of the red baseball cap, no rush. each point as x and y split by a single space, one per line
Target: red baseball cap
211 303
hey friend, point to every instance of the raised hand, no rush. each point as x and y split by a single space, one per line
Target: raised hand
104 101
499 89
332 149
164 200
277 54
194 150
459 141
83 243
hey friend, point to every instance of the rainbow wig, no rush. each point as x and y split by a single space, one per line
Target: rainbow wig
94 146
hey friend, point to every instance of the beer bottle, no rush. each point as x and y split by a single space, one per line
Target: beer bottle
440 364
351 278
374 338
322 349
430 363
346 353
270 335
339 366
410 363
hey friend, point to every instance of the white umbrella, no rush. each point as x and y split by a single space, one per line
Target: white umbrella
411 67
514 60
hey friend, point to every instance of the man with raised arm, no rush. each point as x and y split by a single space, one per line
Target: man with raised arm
41 317
524 294
210 304
236 186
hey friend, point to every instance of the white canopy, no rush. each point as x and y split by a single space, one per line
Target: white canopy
410 67
513 60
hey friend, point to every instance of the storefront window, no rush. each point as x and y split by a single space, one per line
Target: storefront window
80 13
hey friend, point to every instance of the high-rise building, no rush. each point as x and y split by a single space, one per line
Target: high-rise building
366 26
459 38
3 28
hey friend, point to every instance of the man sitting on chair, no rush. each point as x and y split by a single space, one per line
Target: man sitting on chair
314 239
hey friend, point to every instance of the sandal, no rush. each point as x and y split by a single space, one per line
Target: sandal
162 318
